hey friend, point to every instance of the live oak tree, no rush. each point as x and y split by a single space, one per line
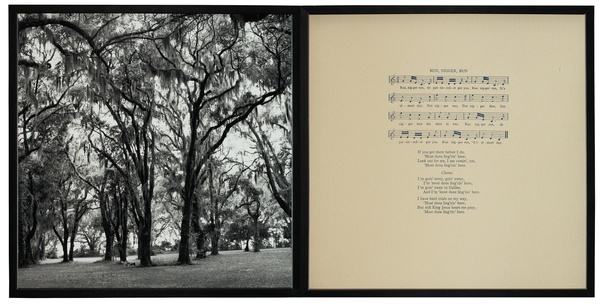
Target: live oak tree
99 177
44 101
36 192
276 157
216 74
91 231
68 209
222 184
251 202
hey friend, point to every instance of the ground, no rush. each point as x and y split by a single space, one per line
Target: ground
270 268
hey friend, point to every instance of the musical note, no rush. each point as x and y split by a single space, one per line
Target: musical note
462 134
424 97
490 116
426 79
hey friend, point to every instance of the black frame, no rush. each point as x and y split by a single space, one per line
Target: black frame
131 292
301 172
588 11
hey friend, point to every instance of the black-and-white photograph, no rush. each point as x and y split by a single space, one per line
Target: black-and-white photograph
154 150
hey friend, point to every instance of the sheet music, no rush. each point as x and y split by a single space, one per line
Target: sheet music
447 93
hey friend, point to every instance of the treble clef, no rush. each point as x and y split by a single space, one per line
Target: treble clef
392 97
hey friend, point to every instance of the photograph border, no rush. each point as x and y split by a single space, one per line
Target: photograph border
297 191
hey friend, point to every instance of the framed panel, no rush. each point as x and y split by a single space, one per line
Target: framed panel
451 151
130 123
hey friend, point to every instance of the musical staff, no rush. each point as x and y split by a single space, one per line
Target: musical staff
431 79
419 98
456 134
483 116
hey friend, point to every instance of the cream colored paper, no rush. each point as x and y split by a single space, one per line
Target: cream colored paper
528 229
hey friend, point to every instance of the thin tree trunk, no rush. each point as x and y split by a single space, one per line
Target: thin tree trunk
41 248
65 232
256 236
121 226
188 189
29 253
215 242
71 248
200 252
73 234
22 240
139 247
125 232
65 252
108 231
214 214
27 236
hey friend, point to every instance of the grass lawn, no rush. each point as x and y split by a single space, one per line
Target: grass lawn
230 269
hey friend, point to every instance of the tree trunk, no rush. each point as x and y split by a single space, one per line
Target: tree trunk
200 252
71 248
41 248
73 234
188 189
118 237
123 246
22 240
65 241
215 243
65 252
214 214
92 247
257 241
139 249
184 242
145 244
25 252
29 253
108 254
125 232
108 231
145 230
247 242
